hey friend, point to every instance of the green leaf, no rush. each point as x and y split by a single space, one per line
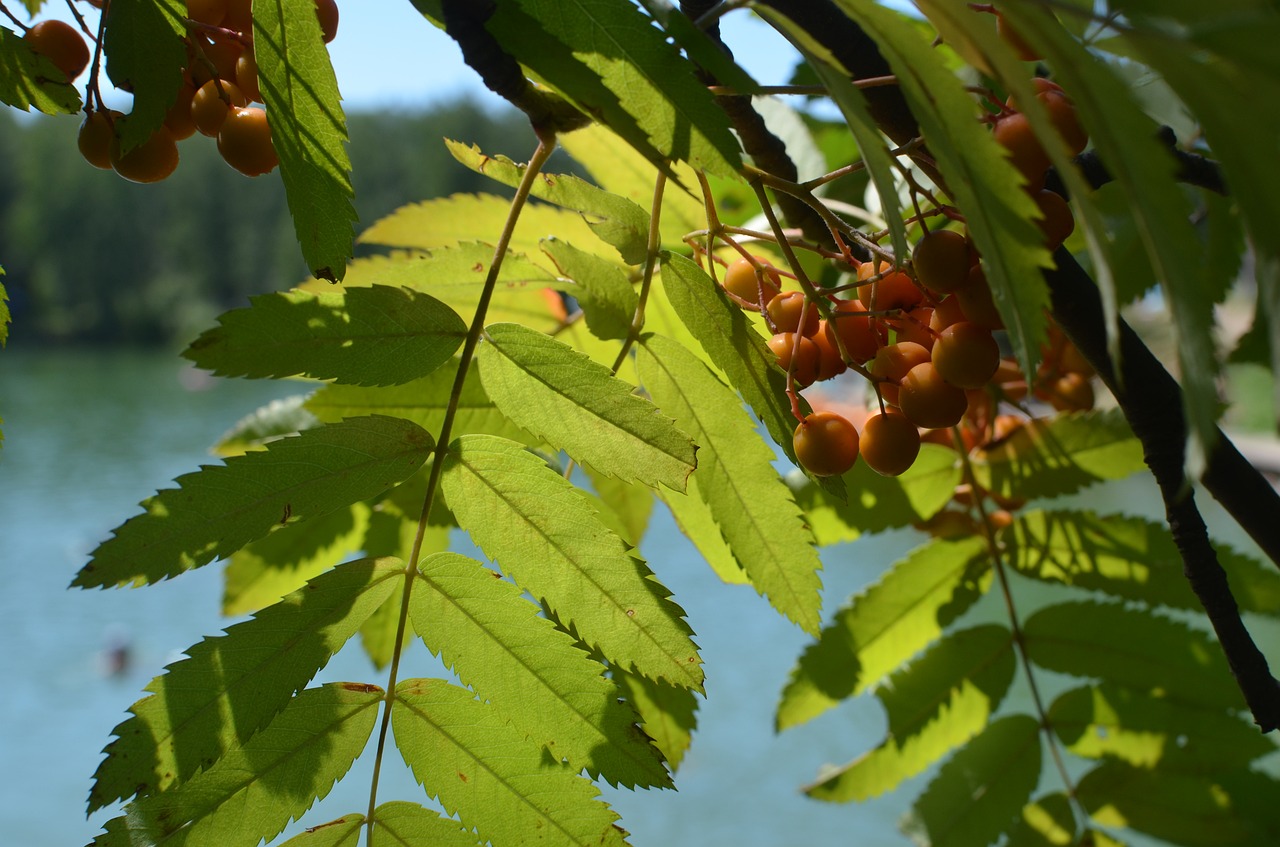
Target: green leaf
490 775
1047 822
576 405
979 177
884 626
934 704
363 336
1113 721
615 220
1059 456
978 793
753 507
5 318
308 129
522 515
233 685
277 419
219 509
27 79
1136 649
532 673
145 54
630 505
257 789
1238 808
343 832
423 401
413 826
694 518
877 503
614 64
699 47
737 349
667 713
607 298
268 569
1126 557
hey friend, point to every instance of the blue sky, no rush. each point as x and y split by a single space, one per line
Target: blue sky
387 55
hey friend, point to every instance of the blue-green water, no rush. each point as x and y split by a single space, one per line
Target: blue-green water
89 434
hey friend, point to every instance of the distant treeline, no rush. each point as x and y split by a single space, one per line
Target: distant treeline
91 258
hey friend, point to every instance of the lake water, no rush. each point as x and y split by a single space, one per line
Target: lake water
89 434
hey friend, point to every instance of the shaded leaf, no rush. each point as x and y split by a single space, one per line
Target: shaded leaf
265 570
490 775
615 220
978 793
753 507
277 419
257 789
934 704
1047 822
668 713
576 405
885 625
1135 649
363 336
233 685
1126 557
219 509
614 64
308 130
28 79
532 673
630 505
607 298
1146 730
519 512
343 832
145 54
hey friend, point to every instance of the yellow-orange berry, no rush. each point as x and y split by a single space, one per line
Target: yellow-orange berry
826 444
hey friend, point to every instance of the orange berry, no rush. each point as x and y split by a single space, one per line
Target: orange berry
1057 223
892 363
893 290
209 12
914 326
797 355
889 444
941 260
151 161
976 303
829 362
740 280
96 134
854 329
60 43
178 119
966 355
826 444
245 142
945 313
1069 393
210 107
327 12
928 400
1016 42
789 308
1013 132
247 76
1062 113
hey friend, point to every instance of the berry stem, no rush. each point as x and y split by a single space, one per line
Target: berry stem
652 249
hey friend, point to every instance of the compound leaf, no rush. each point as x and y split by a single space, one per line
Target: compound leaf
668 712
413 826
884 626
145 54
978 793
602 289
362 336
233 685
553 391
753 507
490 775
343 832
255 790
28 79
935 704
308 129
277 419
524 516
220 508
530 671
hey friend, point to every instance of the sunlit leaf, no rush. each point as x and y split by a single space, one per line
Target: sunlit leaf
257 789
615 220
220 508
363 336
606 296
667 712
342 832
145 54
693 516
1143 651
934 704
250 673
521 514
413 826
753 507
978 793
490 775
885 625
1047 822
1113 721
26 80
530 671
556 393
277 419
308 130
630 505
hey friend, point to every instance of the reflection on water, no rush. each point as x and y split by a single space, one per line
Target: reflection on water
88 435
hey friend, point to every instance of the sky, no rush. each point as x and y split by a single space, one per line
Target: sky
386 55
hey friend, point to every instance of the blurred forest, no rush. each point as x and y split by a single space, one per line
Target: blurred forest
93 259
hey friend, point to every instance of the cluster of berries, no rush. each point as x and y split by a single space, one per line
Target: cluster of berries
219 85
